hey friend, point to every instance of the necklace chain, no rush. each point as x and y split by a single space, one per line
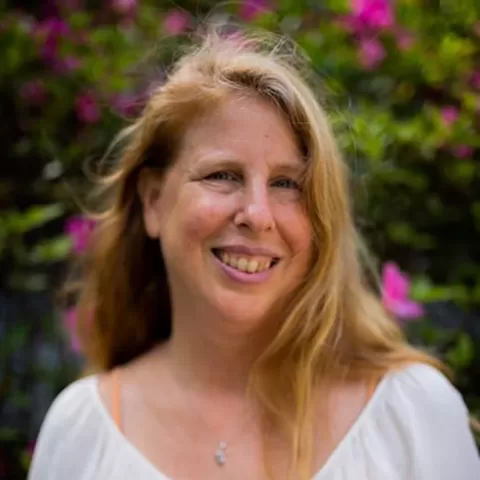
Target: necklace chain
221 450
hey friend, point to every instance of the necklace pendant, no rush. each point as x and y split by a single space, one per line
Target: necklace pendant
221 454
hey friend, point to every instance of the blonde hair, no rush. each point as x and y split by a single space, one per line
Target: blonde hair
335 326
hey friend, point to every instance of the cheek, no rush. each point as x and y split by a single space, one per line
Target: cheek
197 217
296 230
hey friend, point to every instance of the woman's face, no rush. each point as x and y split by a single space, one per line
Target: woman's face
229 213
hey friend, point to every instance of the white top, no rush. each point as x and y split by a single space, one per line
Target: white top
415 427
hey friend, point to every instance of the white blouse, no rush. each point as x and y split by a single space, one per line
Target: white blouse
415 427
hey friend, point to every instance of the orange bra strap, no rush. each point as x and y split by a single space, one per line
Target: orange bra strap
371 387
116 401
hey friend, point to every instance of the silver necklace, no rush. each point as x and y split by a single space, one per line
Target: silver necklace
221 453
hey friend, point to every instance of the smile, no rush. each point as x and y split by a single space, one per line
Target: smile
246 263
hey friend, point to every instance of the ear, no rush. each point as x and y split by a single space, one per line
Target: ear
149 189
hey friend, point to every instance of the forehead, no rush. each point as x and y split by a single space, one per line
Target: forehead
245 128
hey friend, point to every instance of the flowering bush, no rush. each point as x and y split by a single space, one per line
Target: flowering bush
402 86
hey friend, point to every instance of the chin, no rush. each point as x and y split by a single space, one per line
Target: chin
243 310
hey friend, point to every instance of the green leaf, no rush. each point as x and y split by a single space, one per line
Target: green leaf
25 460
475 208
461 355
51 250
28 281
8 434
401 232
22 222
460 172
423 290
13 341
431 334
79 20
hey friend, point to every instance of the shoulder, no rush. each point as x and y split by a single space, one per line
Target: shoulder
74 404
425 414
421 376
73 429
424 395
425 384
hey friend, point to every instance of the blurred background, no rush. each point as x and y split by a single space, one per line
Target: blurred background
401 83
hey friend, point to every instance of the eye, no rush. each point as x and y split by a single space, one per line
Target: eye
222 176
286 183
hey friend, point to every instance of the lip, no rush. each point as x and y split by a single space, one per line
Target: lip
244 277
250 251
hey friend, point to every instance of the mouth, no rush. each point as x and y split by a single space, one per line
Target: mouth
246 263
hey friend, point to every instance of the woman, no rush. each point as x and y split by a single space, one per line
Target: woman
226 314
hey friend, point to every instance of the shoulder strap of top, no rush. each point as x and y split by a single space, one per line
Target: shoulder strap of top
115 399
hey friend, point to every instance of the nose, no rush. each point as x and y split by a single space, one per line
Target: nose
255 211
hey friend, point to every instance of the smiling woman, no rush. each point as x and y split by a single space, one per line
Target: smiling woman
226 314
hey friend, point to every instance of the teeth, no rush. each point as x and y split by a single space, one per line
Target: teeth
245 264
242 264
252 266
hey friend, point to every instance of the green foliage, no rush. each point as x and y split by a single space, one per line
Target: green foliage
406 117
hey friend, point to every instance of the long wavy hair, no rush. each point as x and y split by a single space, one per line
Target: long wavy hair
334 327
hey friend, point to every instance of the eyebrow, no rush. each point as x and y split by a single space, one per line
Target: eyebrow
296 168
229 162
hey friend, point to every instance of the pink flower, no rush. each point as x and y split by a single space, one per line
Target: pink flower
124 7
463 151
51 31
70 324
250 9
34 92
475 79
67 64
405 41
126 104
87 108
373 13
30 448
371 53
449 114
348 23
79 229
395 290
176 21
54 27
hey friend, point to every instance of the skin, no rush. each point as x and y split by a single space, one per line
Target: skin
236 181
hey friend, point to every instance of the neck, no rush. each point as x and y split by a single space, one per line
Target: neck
210 354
